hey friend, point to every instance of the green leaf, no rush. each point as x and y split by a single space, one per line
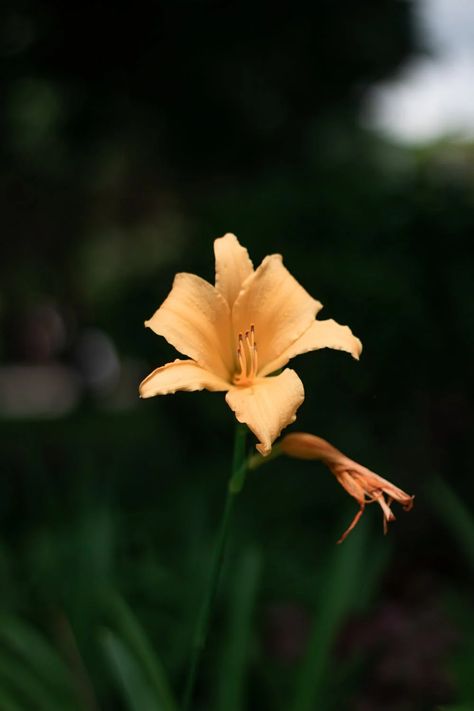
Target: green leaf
233 672
136 690
455 514
339 591
33 667
25 683
131 633
9 702
43 659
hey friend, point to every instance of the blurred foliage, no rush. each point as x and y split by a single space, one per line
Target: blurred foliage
130 139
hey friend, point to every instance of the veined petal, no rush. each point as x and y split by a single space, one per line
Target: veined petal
267 406
321 334
233 266
195 319
279 308
180 375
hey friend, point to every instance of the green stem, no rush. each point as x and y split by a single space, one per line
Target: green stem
236 483
256 460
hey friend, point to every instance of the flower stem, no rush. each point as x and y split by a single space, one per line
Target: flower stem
235 485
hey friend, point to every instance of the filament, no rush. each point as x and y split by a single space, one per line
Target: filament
247 357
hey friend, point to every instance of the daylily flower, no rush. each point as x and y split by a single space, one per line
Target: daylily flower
365 486
238 333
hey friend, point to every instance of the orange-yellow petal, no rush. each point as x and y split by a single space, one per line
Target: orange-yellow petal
267 406
233 266
321 334
195 319
279 308
180 375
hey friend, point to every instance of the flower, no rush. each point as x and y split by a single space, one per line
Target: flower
365 486
238 333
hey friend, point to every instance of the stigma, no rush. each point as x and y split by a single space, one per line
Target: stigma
247 358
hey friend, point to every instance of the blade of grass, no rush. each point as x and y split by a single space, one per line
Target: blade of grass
131 632
232 677
340 584
40 656
9 702
72 654
21 679
136 690
455 514
375 565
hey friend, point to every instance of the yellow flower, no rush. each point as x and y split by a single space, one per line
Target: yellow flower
365 486
240 331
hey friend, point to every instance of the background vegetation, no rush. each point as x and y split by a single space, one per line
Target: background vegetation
130 139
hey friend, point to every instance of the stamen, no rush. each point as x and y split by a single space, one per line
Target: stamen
242 357
249 346
247 357
353 523
241 360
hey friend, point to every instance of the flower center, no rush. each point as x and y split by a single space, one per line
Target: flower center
247 358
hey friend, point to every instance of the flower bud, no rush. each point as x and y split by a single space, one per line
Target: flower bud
361 483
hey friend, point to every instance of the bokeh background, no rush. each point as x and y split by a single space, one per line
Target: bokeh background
341 135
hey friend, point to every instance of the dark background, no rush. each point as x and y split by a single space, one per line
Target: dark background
130 139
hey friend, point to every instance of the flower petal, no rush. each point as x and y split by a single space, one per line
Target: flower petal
267 406
195 319
233 266
180 375
279 308
321 334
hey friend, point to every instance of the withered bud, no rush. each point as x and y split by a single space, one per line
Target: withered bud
361 483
